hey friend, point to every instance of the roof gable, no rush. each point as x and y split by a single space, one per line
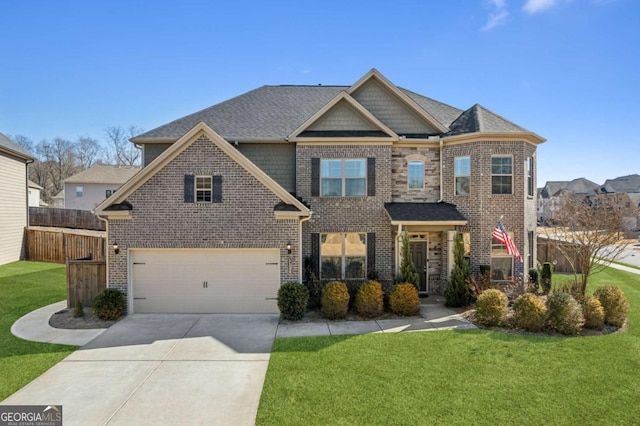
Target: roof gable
342 117
201 129
13 148
392 106
629 183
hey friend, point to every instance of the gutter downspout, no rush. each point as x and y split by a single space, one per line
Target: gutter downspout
441 180
300 265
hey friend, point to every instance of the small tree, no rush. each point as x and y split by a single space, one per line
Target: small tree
407 268
589 233
457 292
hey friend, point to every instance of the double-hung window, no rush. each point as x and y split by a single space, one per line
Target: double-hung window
343 177
343 255
79 191
530 180
415 174
502 175
462 173
204 189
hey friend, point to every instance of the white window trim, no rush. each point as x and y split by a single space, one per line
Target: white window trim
531 187
344 256
344 177
79 191
492 175
409 180
456 176
195 189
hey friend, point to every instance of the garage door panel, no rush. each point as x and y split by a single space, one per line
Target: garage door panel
237 281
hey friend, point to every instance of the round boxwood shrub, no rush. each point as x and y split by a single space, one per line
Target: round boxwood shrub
564 314
292 300
529 312
491 307
369 300
335 300
404 300
593 313
614 303
109 304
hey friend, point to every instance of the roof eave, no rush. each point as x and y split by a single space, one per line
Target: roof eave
499 136
430 222
17 154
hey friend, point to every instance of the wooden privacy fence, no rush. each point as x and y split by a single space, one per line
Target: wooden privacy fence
85 279
57 246
549 250
65 218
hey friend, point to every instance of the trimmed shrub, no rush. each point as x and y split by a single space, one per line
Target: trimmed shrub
457 292
546 277
564 314
369 300
109 304
593 313
292 300
404 300
78 311
335 300
614 303
529 312
491 307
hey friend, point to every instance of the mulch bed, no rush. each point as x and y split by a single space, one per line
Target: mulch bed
65 319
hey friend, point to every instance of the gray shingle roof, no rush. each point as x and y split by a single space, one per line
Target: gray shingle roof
629 183
13 147
581 186
480 119
104 174
551 188
423 212
273 112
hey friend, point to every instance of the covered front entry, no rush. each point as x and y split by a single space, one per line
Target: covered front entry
430 228
204 280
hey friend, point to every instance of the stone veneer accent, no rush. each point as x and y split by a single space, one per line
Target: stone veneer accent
349 214
482 209
401 156
161 219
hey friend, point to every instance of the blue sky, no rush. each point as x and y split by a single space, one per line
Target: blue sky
568 70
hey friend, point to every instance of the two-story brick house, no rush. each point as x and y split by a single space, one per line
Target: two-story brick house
233 200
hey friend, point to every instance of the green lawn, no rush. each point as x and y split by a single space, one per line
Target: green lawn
24 287
458 377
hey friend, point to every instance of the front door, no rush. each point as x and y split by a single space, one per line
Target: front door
419 256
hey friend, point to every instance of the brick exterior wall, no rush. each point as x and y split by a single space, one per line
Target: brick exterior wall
349 214
482 209
161 219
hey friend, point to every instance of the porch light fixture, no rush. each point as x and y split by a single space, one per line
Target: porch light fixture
116 247
289 247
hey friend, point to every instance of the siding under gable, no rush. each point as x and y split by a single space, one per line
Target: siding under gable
152 150
342 117
278 160
390 110
13 208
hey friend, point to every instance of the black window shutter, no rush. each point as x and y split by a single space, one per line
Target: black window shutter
315 177
371 177
315 254
371 254
188 188
217 189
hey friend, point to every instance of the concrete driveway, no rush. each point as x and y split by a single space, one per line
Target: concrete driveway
162 369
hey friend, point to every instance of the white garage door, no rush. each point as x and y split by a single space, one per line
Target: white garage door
205 281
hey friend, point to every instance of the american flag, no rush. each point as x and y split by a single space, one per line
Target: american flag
500 234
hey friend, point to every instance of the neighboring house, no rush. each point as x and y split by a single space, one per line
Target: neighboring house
57 201
550 195
284 182
626 184
34 195
87 189
13 198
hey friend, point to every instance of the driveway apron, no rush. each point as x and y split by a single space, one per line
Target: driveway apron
162 369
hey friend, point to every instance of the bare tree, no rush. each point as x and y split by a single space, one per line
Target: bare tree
124 152
588 234
25 142
59 162
87 151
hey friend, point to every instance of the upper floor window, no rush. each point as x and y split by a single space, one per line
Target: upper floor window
530 180
79 191
502 174
462 173
415 174
343 178
343 256
108 193
204 189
